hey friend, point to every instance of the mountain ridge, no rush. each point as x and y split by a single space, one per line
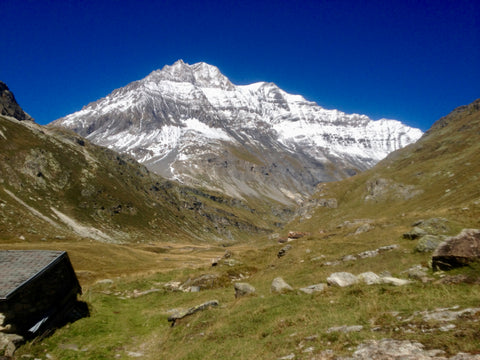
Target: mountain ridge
184 121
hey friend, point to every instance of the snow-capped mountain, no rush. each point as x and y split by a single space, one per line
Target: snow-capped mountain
190 123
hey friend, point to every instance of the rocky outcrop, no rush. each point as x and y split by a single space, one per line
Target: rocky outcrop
381 189
457 251
401 350
9 106
181 313
429 243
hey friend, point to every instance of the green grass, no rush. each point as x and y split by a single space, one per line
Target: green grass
265 326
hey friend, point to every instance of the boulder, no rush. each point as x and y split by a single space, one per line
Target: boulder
429 243
313 288
457 251
280 286
9 343
243 289
342 279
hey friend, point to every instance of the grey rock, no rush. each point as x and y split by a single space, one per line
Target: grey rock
105 282
284 250
349 258
9 343
448 314
342 279
433 226
429 243
181 313
415 233
392 350
364 228
280 286
313 288
332 263
387 248
287 357
243 289
367 254
417 272
395 281
345 329
370 278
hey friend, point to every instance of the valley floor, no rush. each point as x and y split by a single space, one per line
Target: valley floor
132 290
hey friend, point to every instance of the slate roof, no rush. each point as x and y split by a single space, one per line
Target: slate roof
18 267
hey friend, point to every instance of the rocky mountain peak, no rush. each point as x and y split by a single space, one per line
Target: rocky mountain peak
199 74
9 106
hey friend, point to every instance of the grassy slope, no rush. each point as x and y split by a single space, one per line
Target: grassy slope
96 187
268 326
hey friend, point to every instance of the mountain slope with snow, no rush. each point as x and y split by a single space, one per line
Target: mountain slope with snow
190 123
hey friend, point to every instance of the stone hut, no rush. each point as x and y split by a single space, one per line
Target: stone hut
38 289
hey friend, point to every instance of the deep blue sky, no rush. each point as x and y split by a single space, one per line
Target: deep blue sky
408 60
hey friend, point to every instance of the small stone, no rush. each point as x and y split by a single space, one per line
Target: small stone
105 282
387 248
280 286
287 357
363 228
313 288
417 272
368 254
243 289
135 354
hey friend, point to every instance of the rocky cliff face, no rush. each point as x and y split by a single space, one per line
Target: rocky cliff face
190 123
9 106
